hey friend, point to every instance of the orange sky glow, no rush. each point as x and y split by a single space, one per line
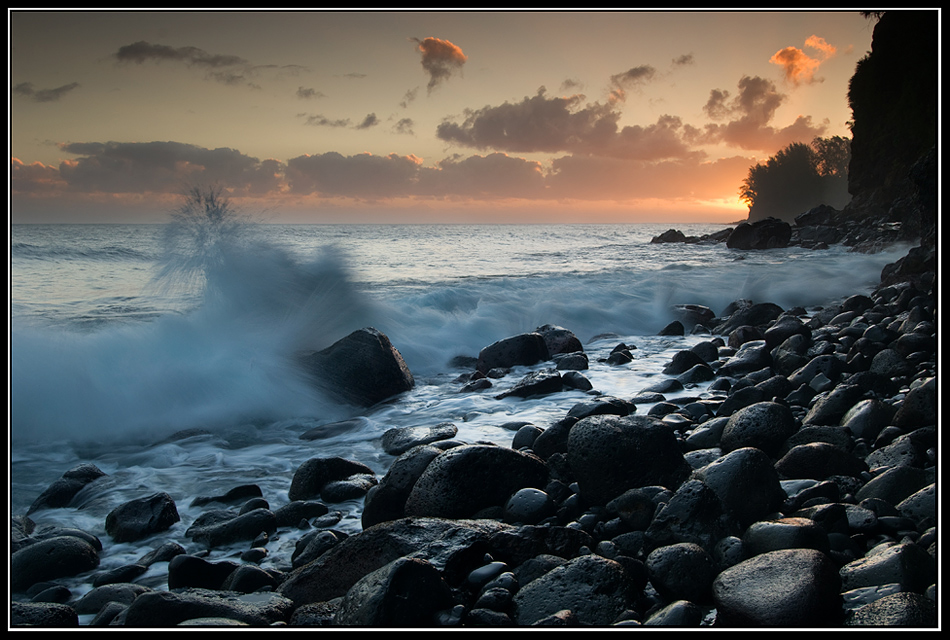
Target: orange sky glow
404 117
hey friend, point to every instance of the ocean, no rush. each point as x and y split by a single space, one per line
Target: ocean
123 335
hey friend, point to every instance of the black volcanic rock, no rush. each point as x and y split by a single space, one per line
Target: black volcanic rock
363 368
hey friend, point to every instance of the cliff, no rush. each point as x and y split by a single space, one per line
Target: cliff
893 99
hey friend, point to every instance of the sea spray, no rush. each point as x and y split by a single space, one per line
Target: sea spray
227 360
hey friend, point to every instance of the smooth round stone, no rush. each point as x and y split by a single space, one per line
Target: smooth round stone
528 506
904 609
786 588
763 425
784 533
682 571
681 613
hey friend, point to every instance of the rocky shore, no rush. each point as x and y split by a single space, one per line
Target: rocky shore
796 488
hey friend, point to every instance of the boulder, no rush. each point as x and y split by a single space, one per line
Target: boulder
436 540
464 480
407 592
61 492
595 589
398 440
524 349
168 609
763 425
769 233
143 517
311 476
610 454
50 559
362 369
786 588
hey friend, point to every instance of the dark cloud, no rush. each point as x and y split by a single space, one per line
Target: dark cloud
440 59
141 167
44 95
749 114
536 124
368 122
223 68
307 93
494 176
409 98
362 176
564 124
323 121
633 78
141 51
683 60
404 126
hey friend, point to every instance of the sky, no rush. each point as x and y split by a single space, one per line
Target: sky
417 117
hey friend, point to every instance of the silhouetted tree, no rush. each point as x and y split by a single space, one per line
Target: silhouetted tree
797 178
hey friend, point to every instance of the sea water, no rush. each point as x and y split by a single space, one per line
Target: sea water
124 335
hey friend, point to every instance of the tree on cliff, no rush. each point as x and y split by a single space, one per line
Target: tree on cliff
797 178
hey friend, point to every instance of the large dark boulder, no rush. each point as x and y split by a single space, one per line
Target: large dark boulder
50 559
404 593
137 519
769 233
595 589
464 480
523 349
62 491
436 540
610 454
362 369
784 588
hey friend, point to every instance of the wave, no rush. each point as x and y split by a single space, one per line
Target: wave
230 359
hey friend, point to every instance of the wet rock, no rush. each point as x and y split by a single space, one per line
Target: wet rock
905 564
434 539
143 517
293 512
746 483
248 578
517 545
524 349
404 593
784 533
819 461
157 609
904 609
681 613
61 492
763 425
49 614
577 361
50 559
787 588
768 233
682 571
559 340
919 407
537 383
694 514
125 573
921 506
528 506
753 355
363 369
595 589
93 601
830 408
232 496
464 480
351 488
400 439
601 447
683 361
246 526
310 477
191 571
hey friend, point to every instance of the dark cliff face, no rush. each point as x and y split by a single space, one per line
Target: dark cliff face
893 99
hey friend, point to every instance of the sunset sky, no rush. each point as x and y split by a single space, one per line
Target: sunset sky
417 116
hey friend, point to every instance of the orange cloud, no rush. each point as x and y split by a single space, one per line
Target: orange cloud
440 58
799 67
